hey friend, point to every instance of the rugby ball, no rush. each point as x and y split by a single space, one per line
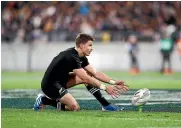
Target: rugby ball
141 97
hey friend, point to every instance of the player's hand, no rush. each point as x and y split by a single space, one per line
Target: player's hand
119 82
121 88
111 90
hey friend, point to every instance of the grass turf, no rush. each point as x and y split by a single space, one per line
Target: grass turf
26 118
152 80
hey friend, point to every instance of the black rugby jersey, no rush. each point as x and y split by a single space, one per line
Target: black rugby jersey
65 62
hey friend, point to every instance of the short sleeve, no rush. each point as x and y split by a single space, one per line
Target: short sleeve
84 62
75 62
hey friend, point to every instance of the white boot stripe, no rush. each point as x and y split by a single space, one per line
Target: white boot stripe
37 101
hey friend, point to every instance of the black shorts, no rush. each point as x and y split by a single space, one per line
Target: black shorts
55 91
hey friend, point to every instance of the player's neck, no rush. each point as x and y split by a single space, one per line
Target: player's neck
80 53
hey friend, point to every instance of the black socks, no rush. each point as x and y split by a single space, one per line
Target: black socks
97 94
46 101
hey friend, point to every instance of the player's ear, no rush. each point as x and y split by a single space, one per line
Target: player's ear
81 45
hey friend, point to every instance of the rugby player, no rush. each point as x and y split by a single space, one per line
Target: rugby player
70 68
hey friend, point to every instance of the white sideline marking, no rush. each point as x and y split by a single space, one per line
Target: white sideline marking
157 97
172 102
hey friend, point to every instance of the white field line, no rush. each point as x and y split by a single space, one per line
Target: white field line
72 90
119 104
82 94
118 99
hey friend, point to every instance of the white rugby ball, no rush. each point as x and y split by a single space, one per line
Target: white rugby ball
141 97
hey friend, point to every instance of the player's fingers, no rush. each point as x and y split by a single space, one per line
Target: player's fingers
118 86
121 82
121 88
120 91
126 87
116 92
114 96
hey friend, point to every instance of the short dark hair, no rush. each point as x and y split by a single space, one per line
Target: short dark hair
83 38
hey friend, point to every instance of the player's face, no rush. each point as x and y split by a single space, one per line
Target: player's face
87 48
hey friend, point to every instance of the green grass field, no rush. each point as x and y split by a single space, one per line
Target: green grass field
152 80
13 118
25 117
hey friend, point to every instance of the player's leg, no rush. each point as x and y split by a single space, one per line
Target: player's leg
55 94
47 101
69 101
134 65
107 106
163 62
169 63
137 64
167 59
132 61
60 94
97 94
75 80
43 100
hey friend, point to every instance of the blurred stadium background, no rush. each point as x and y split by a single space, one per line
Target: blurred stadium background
32 33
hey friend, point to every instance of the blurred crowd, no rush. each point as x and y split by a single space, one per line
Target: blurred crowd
27 21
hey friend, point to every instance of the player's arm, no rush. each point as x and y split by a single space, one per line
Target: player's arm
99 75
81 73
105 78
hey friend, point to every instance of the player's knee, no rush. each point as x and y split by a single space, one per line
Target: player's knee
74 107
